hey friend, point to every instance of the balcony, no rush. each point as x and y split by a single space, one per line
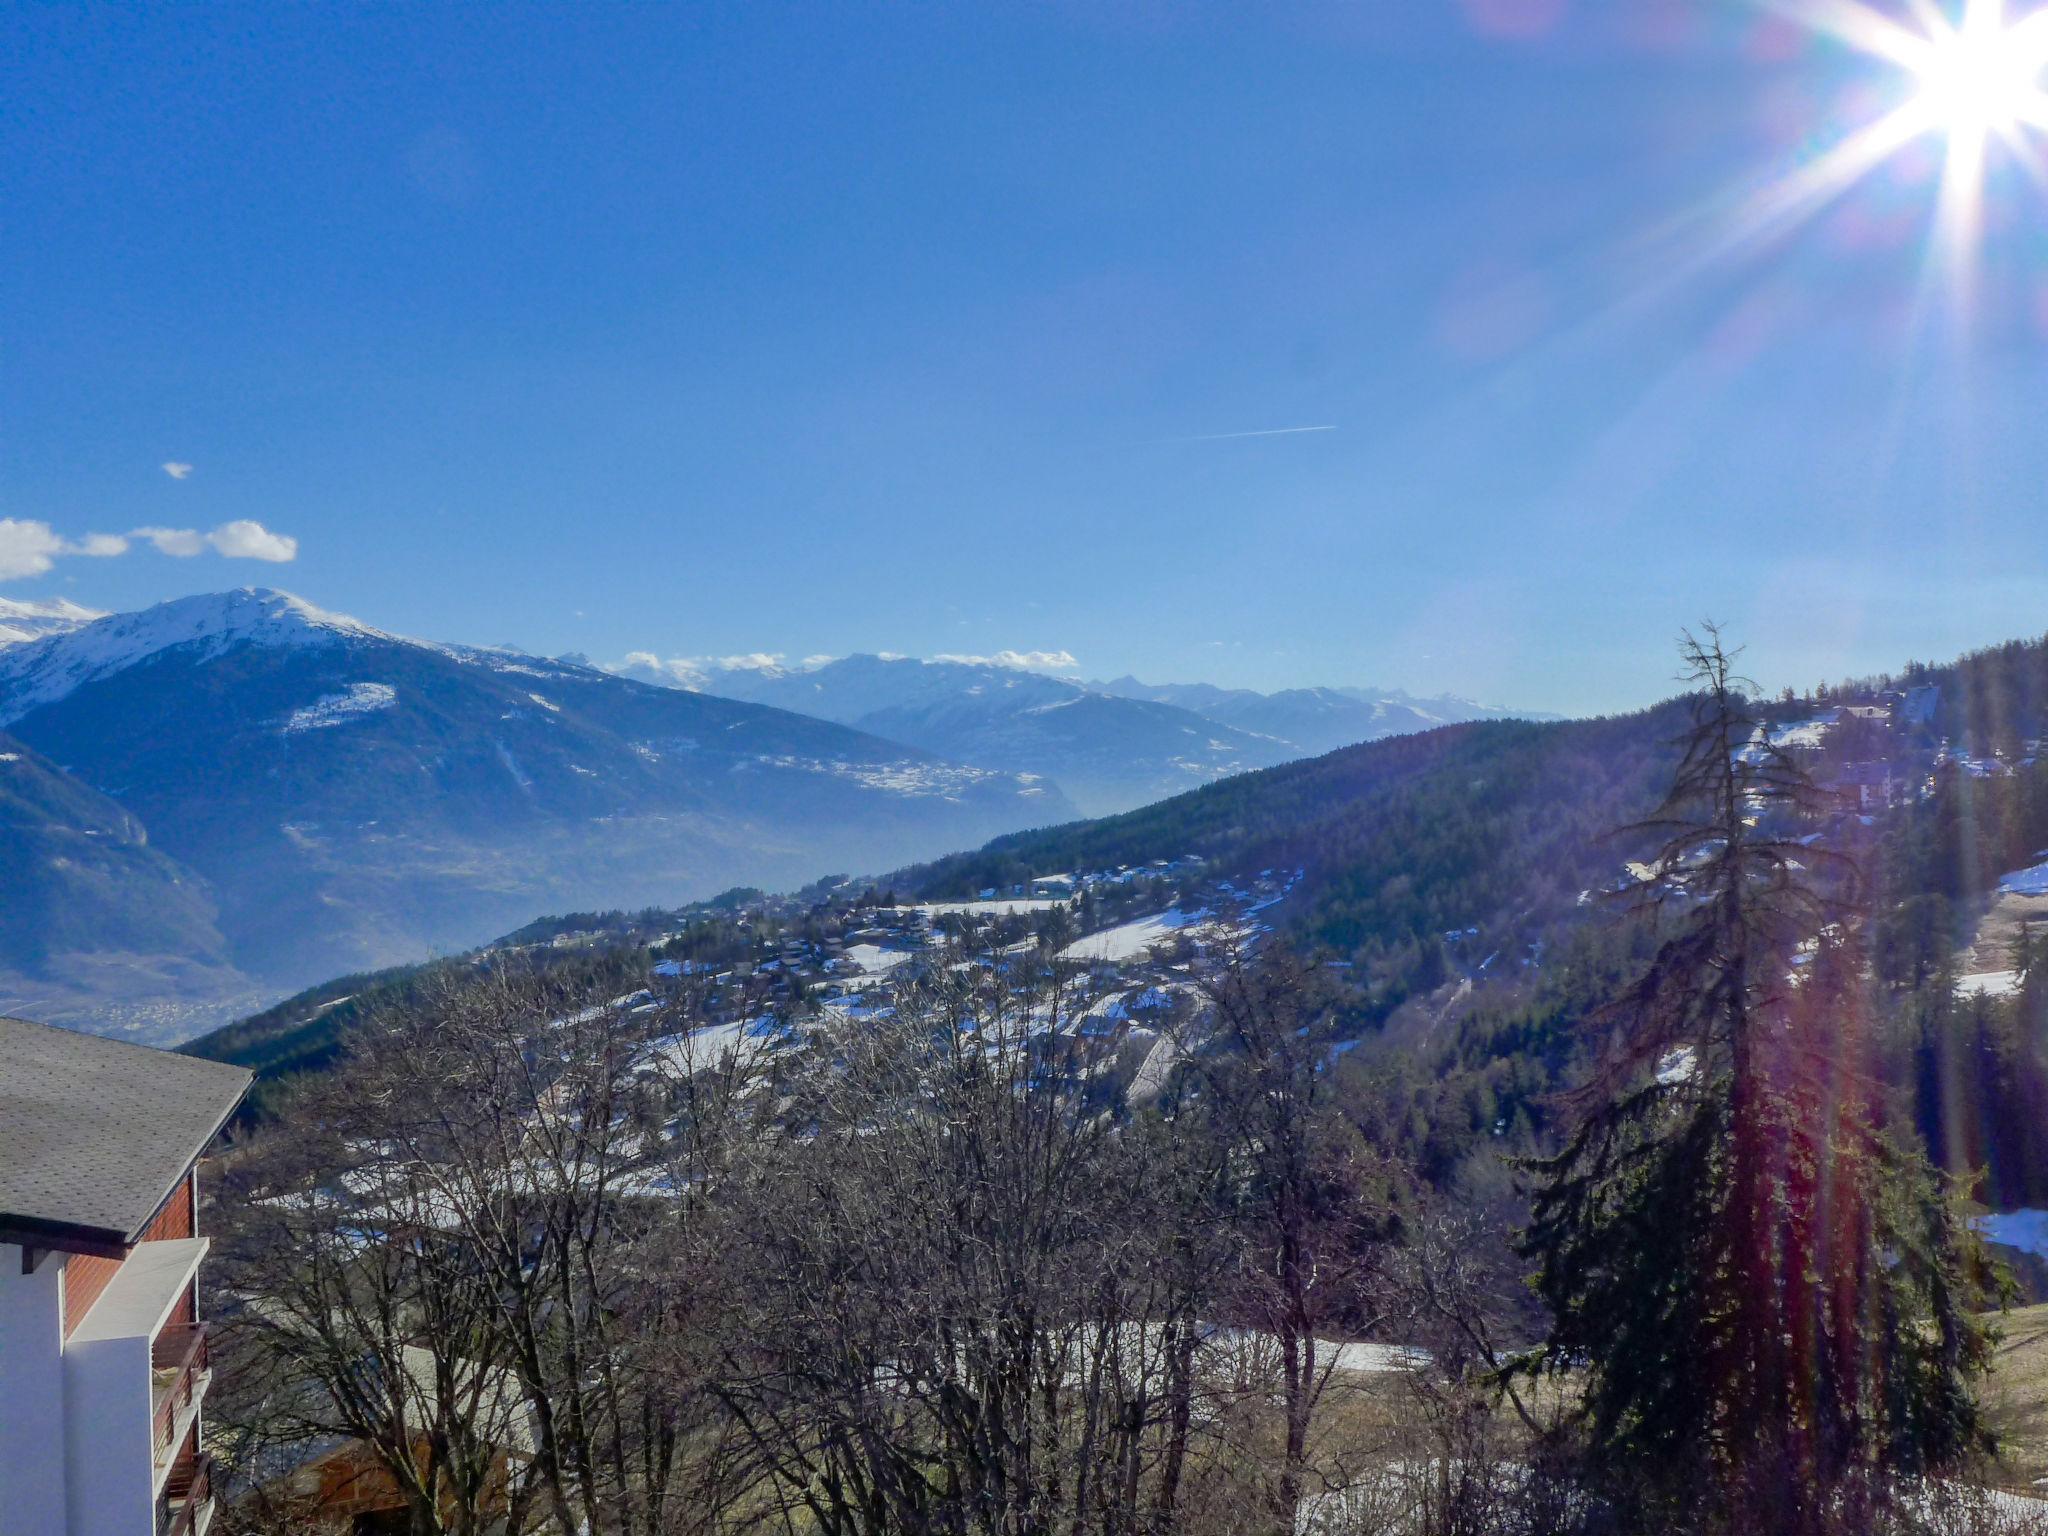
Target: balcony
179 1370
186 1506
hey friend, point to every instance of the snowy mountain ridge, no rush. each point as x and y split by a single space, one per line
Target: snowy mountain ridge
1107 753
50 668
22 621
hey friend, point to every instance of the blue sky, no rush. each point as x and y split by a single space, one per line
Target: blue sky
810 329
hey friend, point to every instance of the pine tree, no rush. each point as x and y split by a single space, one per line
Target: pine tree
1766 1297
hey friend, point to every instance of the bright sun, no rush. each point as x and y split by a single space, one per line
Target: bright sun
1973 74
1981 76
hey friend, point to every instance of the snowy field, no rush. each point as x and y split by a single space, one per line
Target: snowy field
990 908
1988 984
1129 940
1805 733
704 1048
873 960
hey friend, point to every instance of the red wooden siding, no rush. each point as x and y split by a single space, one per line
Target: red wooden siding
174 1217
86 1276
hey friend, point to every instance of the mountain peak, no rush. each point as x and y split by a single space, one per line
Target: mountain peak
265 615
41 671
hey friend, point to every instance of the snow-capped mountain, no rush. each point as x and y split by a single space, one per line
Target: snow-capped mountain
349 797
199 628
1107 753
21 620
1316 720
1111 745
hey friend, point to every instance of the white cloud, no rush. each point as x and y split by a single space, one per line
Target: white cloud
241 539
246 540
176 470
819 660
182 543
1022 661
29 547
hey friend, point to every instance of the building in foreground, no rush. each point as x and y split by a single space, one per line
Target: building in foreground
103 1356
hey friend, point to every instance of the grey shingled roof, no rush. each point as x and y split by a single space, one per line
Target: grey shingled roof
94 1132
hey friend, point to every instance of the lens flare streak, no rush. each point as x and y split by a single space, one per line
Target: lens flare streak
1973 79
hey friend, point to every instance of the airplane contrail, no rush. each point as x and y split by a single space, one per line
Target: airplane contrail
1218 437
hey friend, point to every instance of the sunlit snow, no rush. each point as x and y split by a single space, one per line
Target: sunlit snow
1989 984
1127 941
340 708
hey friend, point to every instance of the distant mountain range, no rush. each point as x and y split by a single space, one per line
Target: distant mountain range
1111 746
1317 720
223 798
21 621
254 794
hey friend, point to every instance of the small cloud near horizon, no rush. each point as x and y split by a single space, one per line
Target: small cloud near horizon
30 547
177 470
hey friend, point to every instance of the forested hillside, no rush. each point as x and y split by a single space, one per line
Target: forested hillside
1499 826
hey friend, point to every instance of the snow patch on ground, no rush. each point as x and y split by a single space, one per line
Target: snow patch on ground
989 908
1805 733
1677 1067
873 960
702 1049
1129 940
1989 984
910 779
339 708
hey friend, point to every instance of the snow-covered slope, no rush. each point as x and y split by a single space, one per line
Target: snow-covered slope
22 620
52 668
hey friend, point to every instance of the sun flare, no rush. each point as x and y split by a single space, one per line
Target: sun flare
1982 77
1972 77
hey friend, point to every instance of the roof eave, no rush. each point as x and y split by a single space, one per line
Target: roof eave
63 1237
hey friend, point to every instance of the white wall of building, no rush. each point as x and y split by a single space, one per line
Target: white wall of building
110 1465
32 1407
